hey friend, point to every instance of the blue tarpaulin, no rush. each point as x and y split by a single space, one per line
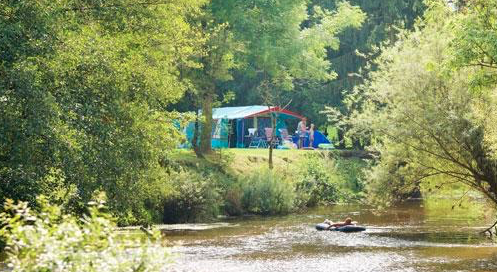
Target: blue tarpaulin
319 138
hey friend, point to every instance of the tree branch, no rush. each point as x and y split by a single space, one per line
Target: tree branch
143 4
489 230
441 145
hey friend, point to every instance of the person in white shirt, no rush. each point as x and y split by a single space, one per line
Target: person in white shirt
302 130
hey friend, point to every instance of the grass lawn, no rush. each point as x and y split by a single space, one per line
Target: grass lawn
244 161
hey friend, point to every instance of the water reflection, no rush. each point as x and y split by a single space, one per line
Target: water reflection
413 237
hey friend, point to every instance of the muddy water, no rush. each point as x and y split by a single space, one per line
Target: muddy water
416 236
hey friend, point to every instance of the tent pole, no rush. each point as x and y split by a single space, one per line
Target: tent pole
243 132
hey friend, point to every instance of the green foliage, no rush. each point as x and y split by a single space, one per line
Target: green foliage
267 192
357 45
423 116
48 240
352 172
324 179
195 197
390 180
233 200
218 59
385 20
284 42
311 179
316 184
84 88
475 43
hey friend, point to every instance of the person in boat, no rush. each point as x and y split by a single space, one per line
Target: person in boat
347 222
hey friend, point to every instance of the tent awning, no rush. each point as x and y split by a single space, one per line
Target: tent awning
250 111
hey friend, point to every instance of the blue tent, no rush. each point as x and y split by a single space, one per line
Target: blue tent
319 138
231 124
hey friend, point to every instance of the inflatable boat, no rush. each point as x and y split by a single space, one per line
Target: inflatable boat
349 228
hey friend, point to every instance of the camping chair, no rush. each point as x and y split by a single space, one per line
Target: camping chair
284 135
249 138
269 135
257 141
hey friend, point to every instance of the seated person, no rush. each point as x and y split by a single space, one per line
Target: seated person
348 221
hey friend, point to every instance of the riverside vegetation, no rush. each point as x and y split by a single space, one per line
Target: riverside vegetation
239 183
48 240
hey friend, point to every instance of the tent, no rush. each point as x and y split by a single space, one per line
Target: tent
231 124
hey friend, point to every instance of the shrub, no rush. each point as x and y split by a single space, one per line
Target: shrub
352 171
267 192
233 200
317 182
195 197
51 241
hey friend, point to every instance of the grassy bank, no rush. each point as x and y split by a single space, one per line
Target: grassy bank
246 161
243 161
238 182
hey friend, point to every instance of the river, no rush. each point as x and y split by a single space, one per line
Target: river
415 236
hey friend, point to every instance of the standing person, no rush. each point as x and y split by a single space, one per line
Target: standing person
311 136
302 130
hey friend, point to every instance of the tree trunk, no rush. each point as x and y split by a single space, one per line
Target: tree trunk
195 138
341 141
273 127
206 132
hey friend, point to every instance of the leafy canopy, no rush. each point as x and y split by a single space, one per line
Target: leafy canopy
84 88
277 47
423 117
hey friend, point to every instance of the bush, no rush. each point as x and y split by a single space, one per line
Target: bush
195 197
233 200
352 171
267 192
317 183
51 241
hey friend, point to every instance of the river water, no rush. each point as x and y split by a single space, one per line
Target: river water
415 236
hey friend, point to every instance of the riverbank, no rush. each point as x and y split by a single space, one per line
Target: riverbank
238 182
348 163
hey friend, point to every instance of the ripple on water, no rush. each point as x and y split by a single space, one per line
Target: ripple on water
286 242
384 261
407 239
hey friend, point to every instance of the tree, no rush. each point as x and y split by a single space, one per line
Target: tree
218 60
350 61
84 97
474 43
474 46
424 116
46 239
358 47
277 49
27 112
